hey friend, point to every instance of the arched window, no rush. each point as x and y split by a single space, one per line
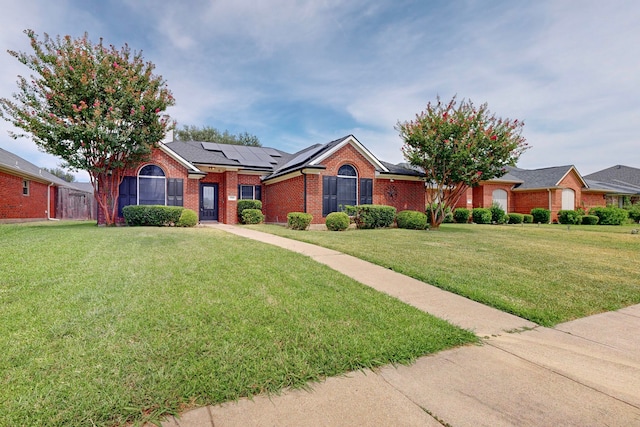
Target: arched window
347 171
500 197
152 186
347 186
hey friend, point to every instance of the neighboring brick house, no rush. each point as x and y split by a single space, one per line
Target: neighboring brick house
30 193
622 183
520 190
210 178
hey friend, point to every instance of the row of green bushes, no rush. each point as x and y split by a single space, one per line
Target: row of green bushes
364 217
597 215
495 215
159 216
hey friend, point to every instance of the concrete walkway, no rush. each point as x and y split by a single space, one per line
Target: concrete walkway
581 373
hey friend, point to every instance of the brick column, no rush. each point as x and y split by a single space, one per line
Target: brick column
231 194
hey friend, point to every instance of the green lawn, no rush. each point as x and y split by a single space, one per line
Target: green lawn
109 326
547 274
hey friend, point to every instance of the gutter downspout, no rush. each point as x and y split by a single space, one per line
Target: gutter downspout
550 210
49 204
304 191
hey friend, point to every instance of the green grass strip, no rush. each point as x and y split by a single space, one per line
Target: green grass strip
110 326
548 274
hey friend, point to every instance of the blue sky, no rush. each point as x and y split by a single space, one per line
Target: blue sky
296 73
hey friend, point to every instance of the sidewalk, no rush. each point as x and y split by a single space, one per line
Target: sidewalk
580 373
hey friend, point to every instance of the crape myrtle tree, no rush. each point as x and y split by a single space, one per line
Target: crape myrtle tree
98 108
457 146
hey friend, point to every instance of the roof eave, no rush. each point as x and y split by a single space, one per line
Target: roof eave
27 175
400 177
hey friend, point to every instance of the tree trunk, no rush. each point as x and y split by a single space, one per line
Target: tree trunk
106 188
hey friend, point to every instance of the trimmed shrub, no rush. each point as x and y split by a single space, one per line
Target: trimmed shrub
569 217
337 221
634 212
590 219
299 220
461 215
188 218
374 216
252 216
151 215
541 215
481 215
412 220
247 204
610 215
527 219
516 218
498 214
349 210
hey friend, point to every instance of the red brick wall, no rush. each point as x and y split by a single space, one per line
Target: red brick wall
524 201
466 201
15 205
403 195
483 195
590 200
286 196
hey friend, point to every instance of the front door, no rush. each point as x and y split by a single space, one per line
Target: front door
208 202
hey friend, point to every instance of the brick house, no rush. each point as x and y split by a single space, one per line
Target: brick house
29 193
520 190
210 178
622 183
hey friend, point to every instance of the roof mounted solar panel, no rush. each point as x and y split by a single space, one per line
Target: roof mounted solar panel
303 156
211 146
245 155
272 152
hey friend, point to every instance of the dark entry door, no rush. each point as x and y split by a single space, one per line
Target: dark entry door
208 202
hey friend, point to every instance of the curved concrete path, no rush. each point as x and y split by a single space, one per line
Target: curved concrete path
581 373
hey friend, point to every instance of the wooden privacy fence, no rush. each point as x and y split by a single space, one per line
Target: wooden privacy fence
75 204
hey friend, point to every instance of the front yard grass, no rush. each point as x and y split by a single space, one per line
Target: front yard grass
111 326
548 274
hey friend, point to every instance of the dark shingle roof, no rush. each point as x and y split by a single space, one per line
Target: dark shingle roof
403 169
241 156
272 161
19 166
305 157
538 178
618 175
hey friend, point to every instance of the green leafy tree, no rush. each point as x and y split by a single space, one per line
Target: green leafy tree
211 134
97 107
457 146
62 174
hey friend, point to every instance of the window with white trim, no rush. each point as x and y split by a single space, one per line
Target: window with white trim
152 185
25 187
249 192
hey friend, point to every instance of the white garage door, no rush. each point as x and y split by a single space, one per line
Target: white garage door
500 197
568 199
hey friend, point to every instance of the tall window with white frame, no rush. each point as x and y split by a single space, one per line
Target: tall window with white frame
152 185
347 186
25 187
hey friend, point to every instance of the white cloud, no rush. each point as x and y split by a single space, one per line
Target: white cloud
302 72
